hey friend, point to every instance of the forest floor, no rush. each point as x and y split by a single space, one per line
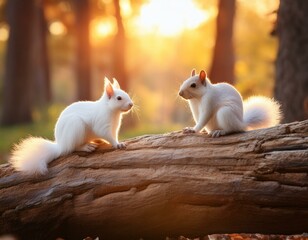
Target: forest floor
243 236
234 236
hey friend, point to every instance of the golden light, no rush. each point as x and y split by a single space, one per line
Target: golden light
4 33
262 8
57 28
103 27
170 17
126 8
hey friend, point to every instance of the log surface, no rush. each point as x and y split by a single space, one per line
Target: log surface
166 185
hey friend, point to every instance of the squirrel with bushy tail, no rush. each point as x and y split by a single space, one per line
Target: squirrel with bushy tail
78 126
220 109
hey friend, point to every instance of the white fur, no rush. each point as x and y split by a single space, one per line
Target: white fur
33 154
219 108
261 112
77 126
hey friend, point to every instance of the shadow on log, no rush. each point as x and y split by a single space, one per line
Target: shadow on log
166 185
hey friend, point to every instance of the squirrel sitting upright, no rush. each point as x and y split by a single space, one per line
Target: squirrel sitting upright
219 108
78 125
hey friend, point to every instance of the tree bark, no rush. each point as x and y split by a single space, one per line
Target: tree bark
291 86
82 9
17 88
166 185
222 69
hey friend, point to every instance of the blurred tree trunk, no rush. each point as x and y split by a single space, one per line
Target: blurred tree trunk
40 61
291 88
222 69
83 72
119 67
119 48
17 81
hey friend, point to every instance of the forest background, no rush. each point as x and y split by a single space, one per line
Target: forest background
55 52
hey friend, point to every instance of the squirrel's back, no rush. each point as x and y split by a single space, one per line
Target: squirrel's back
83 109
226 94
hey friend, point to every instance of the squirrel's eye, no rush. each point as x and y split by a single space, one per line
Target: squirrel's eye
193 85
119 98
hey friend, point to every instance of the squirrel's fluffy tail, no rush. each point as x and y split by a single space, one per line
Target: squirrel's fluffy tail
33 154
261 112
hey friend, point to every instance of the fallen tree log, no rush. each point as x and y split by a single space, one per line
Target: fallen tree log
166 185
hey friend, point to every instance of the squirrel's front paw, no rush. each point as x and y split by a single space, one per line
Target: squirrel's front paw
188 130
121 145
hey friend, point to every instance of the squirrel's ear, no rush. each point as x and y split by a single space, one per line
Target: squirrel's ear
106 82
202 77
193 72
116 83
108 88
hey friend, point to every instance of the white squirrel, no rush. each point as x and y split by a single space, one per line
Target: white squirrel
219 108
78 125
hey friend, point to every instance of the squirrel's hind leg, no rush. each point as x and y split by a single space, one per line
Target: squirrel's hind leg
71 135
87 147
217 133
228 121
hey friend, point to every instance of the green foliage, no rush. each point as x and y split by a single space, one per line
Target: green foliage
13 134
42 126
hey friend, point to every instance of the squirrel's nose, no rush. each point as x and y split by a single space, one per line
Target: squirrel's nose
181 93
130 105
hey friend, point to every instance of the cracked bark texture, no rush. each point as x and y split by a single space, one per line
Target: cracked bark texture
166 185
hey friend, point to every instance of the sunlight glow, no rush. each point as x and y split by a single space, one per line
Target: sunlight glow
102 28
262 8
57 28
169 18
126 8
4 33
